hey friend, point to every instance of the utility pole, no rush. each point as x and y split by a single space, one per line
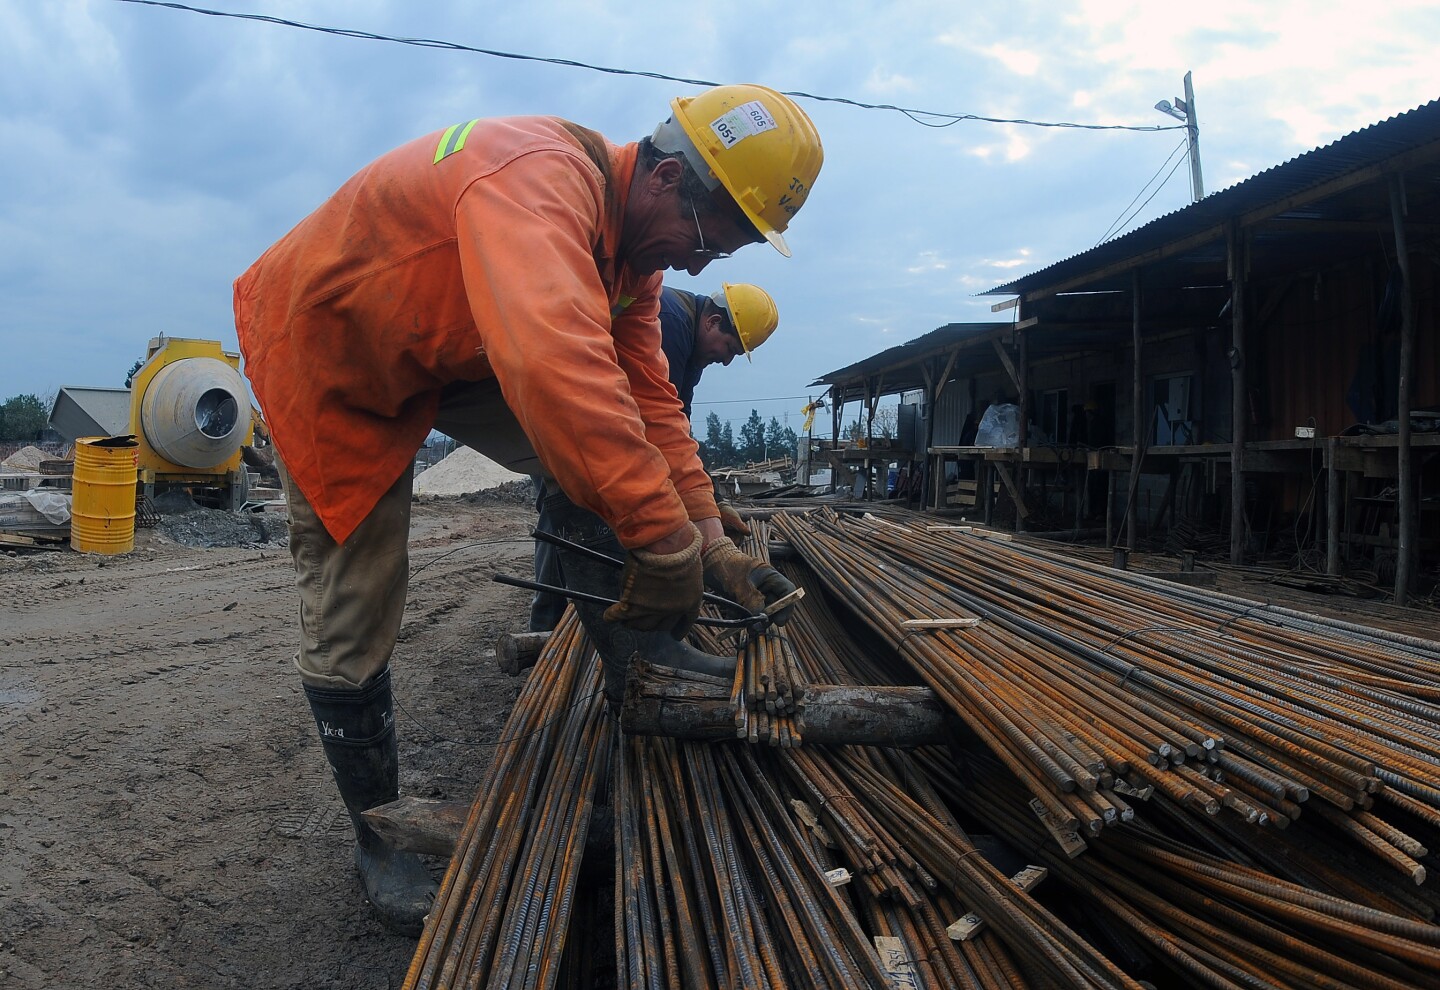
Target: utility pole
1192 130
1185 110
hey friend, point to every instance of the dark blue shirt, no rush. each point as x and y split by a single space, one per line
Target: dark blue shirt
678 332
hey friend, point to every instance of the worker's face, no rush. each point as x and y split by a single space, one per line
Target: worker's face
666 229
714 344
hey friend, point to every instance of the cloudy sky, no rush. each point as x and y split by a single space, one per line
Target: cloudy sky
148 155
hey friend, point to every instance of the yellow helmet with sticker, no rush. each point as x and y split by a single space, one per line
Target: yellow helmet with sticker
751 310
755 142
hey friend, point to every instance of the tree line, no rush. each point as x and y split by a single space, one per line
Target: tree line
757 441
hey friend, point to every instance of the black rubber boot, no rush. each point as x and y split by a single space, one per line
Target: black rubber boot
615 643
357 729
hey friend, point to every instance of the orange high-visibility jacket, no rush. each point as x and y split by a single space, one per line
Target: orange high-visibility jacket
486 250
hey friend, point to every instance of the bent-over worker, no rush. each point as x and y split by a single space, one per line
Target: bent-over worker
696 331
499 281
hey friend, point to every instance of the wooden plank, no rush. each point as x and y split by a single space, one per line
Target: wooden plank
1007 304
34 540
420 825
1007 477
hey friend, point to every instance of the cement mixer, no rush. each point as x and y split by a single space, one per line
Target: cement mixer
190 410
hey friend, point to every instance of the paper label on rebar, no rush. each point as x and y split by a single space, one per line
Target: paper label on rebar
972 924
1130 790
965 929
1029 878
838 877
1068 839
896 963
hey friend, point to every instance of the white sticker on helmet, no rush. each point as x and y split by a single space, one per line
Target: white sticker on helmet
738 123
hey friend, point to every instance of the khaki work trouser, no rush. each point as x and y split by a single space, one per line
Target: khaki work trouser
352 594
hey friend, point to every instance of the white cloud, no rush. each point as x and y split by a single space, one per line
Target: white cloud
1017 60
928 261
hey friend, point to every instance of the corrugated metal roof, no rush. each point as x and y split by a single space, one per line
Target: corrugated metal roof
1359 149
936 341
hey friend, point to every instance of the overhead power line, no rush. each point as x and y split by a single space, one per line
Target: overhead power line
928 118
1120 221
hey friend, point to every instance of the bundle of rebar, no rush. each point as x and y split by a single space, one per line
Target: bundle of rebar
1096 692
775 865
504 908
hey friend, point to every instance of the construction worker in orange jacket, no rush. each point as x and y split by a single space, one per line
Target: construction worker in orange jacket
499 280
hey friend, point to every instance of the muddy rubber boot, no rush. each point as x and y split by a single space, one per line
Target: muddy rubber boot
615 643
357 729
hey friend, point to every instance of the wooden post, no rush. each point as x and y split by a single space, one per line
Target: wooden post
984 477
1110 508
1332 507
1023 473
1235 255
1138 417
517 652
831 714
1405 557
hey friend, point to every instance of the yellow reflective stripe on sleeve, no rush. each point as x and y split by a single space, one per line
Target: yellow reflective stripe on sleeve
450 142
621 306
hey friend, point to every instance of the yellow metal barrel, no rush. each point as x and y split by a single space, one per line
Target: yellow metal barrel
102 512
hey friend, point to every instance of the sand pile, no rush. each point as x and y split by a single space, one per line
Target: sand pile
463 472
25 460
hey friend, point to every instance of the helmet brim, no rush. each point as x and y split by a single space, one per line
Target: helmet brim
777 241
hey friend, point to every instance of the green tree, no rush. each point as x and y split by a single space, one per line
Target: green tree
22 417
729 455
130 375
752 438
780 441
718 447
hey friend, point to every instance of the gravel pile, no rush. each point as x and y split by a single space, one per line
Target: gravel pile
217 528
519 492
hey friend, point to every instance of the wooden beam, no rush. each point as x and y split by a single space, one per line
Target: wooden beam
1368 228
1139 416
1007 478
1405 505
1027 324
831 714
516 653
1007 361
1332 509
1235 254
1007 304
945 375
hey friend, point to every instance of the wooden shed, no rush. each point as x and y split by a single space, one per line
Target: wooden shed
1264 362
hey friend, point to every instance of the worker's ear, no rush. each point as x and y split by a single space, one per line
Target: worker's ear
666 176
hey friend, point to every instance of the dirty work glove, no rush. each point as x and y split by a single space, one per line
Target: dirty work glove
661 591
744 579
732 521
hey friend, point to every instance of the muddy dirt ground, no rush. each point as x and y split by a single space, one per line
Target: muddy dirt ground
167 818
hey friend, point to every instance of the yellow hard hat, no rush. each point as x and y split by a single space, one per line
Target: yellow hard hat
755 142
752 313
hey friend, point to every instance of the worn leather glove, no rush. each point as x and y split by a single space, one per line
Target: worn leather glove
731 520
744 579
661 591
